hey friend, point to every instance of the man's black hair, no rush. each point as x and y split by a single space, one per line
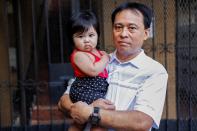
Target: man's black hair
145 10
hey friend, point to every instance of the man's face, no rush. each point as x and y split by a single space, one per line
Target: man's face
129 32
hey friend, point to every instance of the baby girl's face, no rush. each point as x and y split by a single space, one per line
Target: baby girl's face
86 41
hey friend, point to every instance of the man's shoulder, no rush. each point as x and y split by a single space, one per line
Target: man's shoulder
153 64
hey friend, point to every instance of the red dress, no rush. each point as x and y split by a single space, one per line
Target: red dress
86 88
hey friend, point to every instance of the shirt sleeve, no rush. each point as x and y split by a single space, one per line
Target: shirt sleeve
69 85
150 97
67 90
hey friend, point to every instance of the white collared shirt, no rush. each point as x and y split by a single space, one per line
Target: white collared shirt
139 84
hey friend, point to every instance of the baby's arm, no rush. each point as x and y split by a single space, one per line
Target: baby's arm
87 65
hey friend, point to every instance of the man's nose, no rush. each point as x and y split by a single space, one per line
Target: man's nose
124 32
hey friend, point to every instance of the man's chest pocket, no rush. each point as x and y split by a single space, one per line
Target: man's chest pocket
122 94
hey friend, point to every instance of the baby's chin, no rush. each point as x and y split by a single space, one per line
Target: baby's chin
88 49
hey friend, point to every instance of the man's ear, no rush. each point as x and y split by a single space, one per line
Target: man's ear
146 33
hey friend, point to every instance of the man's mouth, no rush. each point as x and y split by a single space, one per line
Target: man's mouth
123 43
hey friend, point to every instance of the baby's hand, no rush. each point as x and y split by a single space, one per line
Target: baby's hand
105 55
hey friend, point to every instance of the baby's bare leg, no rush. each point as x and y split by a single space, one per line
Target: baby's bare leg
76 127
98 128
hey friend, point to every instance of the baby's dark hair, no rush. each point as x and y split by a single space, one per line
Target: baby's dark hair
82 21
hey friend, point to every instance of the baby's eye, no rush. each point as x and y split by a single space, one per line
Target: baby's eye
91 35
80 36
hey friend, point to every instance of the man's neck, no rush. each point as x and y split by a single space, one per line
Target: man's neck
126 57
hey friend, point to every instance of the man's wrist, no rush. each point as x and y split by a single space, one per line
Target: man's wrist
95 118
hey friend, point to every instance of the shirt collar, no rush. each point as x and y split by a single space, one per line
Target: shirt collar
139 61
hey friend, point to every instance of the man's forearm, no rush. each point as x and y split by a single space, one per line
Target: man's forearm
121 120
126 120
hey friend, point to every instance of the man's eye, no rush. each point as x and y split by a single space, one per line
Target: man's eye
118 27
132 28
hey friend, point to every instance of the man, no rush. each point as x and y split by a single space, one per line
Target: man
137 82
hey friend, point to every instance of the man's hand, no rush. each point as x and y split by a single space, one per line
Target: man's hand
104 104
80 112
